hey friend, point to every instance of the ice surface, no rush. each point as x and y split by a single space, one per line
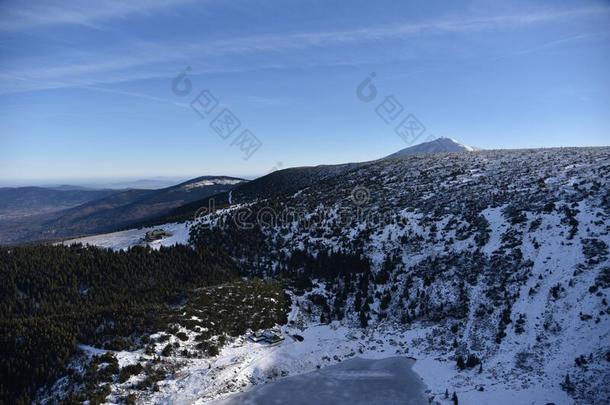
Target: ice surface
354 381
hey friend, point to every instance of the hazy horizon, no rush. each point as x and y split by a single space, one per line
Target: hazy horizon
120 182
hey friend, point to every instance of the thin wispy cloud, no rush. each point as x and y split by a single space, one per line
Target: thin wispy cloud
95 79
144 60
136 95
550 44
542 46
466 24
19 15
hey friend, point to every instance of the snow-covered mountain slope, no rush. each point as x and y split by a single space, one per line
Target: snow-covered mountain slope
439 145
490 268
288 181
277 183
503 255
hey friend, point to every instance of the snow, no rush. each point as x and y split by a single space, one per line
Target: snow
211 182
244 365
526 367
123 240
439 145
466 147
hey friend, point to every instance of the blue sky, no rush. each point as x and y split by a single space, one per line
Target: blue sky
86 91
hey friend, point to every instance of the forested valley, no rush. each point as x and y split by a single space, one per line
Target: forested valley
53 298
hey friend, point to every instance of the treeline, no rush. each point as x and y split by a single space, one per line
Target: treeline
53 297
345 272
327 265
245 244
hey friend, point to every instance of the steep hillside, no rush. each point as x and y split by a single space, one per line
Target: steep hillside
288 181
278 183
499 257
490 268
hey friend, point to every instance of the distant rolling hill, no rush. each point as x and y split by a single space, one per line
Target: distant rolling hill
16 202
114 210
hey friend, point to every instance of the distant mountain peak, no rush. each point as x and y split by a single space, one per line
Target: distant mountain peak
438 145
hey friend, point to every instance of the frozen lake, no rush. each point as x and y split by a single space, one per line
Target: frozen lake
354 381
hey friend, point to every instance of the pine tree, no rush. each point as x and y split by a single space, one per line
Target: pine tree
363 319
567 384
460 363
454 398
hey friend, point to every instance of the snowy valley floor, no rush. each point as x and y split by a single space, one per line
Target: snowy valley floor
242 365
245 362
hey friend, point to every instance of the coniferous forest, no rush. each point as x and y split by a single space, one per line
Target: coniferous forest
55 297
